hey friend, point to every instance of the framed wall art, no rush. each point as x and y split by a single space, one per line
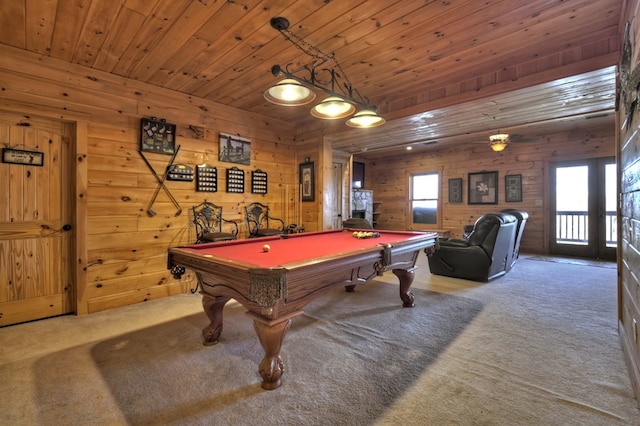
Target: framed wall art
157 136
234 149
513 188
483 188
307 181
455 190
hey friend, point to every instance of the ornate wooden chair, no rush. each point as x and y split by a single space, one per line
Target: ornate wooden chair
211 226
260 223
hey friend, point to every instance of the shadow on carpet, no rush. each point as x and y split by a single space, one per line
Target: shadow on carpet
347 359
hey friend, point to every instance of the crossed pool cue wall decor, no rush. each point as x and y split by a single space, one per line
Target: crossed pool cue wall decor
161 185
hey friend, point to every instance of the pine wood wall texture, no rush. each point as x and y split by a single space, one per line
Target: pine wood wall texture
629 259
389 180
121 250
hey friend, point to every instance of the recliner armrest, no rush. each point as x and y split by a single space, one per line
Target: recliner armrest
454 242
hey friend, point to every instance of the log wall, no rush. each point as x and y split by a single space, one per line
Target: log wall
629 258
120 248
389 179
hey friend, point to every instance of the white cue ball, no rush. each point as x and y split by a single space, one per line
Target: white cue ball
266 247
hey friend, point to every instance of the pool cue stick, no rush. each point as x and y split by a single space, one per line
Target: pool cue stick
286 204
299 209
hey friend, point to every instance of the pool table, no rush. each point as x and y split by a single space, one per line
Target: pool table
275 285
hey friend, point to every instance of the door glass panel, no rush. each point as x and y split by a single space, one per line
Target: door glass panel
583 208
572 205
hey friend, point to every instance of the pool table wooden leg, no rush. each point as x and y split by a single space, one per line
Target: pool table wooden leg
271 335
213 308
406 279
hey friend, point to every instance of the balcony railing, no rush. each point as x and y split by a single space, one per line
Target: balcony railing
572 227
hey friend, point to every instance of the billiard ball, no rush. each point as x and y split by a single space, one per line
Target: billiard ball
266 248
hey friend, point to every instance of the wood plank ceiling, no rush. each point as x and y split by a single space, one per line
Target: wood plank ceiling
402 54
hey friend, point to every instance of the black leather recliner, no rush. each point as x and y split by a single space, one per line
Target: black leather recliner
484 255
522 217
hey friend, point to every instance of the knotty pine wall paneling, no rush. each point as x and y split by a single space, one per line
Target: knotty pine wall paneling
310 212
629 243
121 250
388 177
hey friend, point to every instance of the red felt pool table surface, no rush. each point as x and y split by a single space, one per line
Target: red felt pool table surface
298 247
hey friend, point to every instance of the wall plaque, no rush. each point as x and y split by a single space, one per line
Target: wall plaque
18 156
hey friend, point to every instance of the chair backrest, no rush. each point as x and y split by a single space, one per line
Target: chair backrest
522 217
257 215
207 218
495 233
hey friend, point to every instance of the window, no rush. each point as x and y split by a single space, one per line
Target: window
358 175
425 190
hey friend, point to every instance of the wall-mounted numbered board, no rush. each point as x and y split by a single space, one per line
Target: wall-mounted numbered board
180 172
235 180
206 178
258 182
157 136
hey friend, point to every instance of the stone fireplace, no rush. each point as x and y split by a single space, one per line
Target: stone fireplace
362 204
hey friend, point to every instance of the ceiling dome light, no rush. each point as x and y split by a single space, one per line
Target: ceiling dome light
289 92
333 107
498 146
365 118
498 142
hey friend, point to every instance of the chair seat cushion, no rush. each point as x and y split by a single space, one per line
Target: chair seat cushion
218 236
269 232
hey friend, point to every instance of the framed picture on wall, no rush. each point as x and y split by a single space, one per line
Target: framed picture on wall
157 136
455 190
234 149
513 188
483 188
307 181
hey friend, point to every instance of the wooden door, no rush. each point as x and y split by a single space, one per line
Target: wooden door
336 206
35 220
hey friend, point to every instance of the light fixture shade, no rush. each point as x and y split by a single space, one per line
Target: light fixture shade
333 107
289 92
365 118
499 141
498 146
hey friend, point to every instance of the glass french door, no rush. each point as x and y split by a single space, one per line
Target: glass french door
583 208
